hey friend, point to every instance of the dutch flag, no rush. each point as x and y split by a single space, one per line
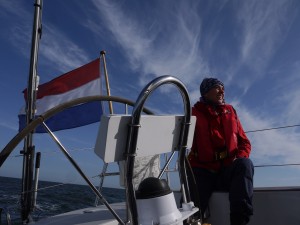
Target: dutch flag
81 82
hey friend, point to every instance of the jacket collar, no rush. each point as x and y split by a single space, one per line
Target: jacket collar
205 101
210 109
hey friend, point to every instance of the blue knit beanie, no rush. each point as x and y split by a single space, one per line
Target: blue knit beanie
209 83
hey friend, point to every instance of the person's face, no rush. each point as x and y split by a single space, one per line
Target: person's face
216 94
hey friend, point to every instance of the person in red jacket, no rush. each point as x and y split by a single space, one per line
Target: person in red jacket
219 156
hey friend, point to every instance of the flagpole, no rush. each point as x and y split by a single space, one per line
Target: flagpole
28 151
105 165
102 53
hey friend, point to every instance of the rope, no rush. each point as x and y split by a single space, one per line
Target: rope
273 165
53 186
273 128
58 152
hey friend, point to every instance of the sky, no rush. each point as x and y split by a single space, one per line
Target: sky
252 46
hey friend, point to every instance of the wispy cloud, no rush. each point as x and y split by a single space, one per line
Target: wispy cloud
172 46
280 146
168 42
286 92
292 106
164 42
9 7
20 30
7 125
263 27
57 49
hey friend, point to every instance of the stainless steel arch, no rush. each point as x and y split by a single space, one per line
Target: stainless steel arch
133 136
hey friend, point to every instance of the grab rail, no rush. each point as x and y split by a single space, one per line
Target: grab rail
133 136
6 212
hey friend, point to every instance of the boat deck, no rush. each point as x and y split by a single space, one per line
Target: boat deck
272 206
88 216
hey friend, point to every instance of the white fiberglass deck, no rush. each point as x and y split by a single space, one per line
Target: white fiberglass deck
272 206
87 216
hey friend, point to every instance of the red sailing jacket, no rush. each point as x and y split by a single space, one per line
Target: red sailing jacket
217 129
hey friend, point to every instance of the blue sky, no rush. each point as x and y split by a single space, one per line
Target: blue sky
252 46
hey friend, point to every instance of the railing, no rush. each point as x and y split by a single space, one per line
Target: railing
40 121
137 110
7 216
133 135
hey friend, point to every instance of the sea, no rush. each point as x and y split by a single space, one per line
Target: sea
52 198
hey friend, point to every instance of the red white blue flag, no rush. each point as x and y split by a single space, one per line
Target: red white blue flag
81 82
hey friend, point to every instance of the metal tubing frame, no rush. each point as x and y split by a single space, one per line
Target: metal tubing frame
133 137
166 165
102 53
104 168
72 161
36 178
8 149
28 158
